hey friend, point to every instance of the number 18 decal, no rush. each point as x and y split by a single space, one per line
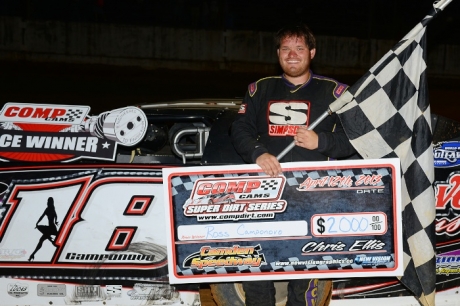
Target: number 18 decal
111 221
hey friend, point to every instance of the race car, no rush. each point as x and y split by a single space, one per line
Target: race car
178 133
196 132
186 132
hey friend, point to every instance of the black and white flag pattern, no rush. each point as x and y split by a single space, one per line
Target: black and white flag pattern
387 114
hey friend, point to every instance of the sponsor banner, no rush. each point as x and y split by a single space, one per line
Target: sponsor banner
67 143
17 289
321 220
447 192
447 230
14 291
42 113
62 133
82 222
447 154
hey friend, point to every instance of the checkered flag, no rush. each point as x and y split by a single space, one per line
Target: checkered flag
74 114
387 114
269 185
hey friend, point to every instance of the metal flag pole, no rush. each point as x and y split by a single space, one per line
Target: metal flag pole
347 97
310 127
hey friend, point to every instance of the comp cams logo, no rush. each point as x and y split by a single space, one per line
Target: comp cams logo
236 256
243 196
39 113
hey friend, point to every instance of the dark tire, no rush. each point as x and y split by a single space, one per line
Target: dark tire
232 294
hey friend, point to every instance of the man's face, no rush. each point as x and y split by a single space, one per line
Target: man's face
295 57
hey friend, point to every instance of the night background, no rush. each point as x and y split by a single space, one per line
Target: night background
350 18
88 52
47 78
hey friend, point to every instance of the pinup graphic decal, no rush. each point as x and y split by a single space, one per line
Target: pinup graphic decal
47 230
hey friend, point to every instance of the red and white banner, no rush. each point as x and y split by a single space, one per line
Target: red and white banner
63 133
84 233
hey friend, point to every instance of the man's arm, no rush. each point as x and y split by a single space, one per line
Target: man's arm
244 135
244 132
269 164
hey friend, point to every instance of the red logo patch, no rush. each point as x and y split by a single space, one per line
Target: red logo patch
285 117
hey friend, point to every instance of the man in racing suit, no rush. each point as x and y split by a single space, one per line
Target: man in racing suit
277 110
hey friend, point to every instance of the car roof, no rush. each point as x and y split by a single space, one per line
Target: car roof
195 103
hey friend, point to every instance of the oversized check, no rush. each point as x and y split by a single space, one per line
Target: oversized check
316 220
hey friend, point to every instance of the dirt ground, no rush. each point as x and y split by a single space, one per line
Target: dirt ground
105 87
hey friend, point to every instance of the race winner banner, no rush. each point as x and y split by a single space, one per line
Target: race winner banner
317 220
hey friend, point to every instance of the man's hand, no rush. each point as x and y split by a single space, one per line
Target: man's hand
306 139
269 164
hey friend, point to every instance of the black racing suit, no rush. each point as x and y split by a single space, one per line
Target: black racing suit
272 110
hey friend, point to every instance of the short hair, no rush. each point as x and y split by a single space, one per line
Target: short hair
296 30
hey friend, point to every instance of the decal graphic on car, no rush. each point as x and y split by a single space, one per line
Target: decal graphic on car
63 133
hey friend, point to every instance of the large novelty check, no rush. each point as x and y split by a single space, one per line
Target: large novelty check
317 220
